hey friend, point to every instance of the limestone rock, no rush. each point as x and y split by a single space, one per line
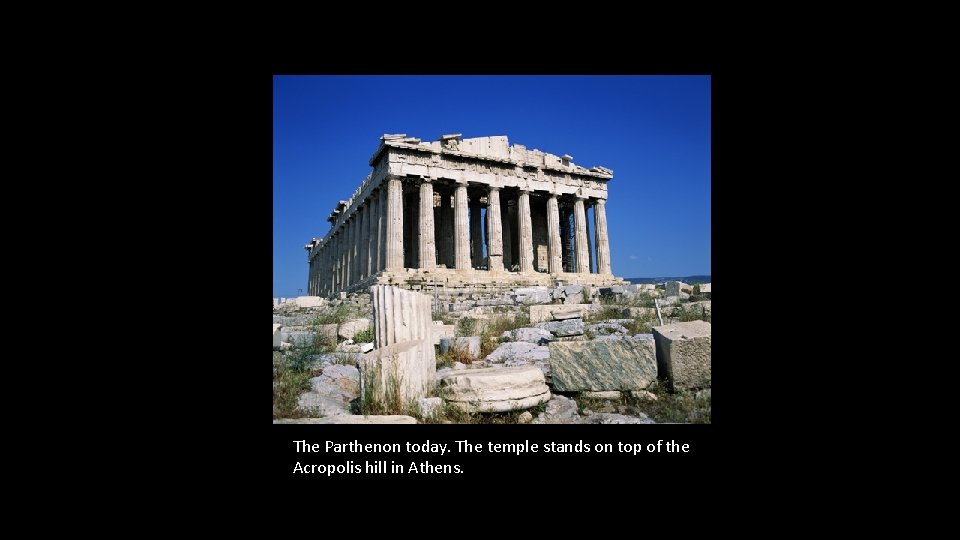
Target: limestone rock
308 301
525 418
298 338
606 328
572 327
519 351
559 410
546 313
532 295
674 288
644 395
605 394
469 343
350 328
495 390
624 364
564 314
352 419
614 418
532 335
430 406
328 331
683 354
443 331
276 335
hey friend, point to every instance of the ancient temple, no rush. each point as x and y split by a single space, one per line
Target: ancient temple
464 213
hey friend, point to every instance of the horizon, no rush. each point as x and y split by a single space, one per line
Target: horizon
652 131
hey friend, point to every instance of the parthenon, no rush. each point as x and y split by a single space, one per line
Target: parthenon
463 212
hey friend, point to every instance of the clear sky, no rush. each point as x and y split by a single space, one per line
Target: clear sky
653 131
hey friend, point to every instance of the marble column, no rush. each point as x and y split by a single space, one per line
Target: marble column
461 243
603 241
526 233
372 213
357 239
494 231
428 245
580 229
476 239
364 219
337 260
506 228
555 263
382 204
446 235
351 241
394 245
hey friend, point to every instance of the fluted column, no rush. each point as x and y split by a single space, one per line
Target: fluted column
580 230
363 220
357 240
382 205
446 232
394 224
428 244
526 233
351 244
506 227
373 214
603 241
494 231
461 242
555 263
338 262
476 240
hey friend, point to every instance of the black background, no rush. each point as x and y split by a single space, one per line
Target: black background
219 249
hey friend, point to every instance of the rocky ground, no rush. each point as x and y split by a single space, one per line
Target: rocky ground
580 342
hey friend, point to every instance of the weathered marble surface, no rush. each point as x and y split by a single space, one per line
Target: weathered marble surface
495 389
625 364
683 354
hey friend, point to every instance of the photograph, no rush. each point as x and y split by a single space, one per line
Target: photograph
492 249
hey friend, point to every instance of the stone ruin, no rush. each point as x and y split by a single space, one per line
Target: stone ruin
416 220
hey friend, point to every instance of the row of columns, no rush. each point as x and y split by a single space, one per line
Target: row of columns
372 239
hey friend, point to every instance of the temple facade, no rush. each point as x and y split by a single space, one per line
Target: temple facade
463 213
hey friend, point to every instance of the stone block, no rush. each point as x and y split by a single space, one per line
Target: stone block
546 313
604 394
495 389
408 367
443 331
519 350
683 354
352 419
308 301
298 338
469 343
531 335
352 327
571 327
560 410
276 335
674 288
430 406
624 364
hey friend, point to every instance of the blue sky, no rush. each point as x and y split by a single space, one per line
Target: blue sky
653 131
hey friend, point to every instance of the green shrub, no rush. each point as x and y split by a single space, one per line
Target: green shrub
364 336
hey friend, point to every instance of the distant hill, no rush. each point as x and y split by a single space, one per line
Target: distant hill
692 280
